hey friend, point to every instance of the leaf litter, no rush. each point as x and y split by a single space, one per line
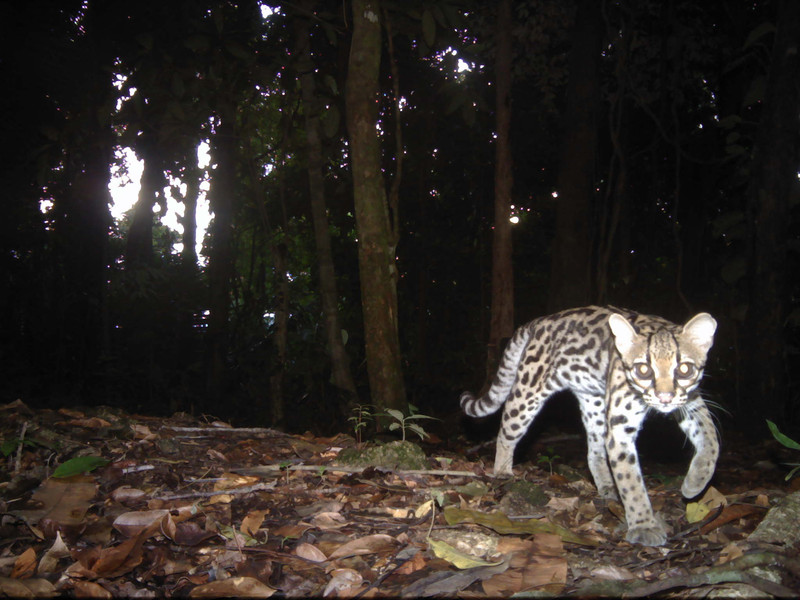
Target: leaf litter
152 507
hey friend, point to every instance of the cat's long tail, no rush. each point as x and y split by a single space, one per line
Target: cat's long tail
503 381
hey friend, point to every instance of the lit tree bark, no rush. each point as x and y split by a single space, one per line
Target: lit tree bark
773 190
501 325
376 245
341 375
570 283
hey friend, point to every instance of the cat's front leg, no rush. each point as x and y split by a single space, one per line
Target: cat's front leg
699 428
625 419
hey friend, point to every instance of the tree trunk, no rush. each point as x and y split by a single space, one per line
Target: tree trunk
277 403
570 283
192 176
501 325
376 251
773 190
139 247
220 260
341 375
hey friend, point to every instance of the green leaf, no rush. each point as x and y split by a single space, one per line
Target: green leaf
395 413
783 439
418 430
78 465
458 559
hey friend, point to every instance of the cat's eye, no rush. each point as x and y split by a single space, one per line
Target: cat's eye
685 370
642 370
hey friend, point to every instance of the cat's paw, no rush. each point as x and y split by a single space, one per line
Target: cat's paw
653 535
503 473
694 484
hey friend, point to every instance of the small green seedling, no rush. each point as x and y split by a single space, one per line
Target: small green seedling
403 421
548 458
362 415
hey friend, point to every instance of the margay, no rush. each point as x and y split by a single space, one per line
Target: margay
620 365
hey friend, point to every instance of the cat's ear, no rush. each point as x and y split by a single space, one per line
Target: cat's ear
624 333
700 331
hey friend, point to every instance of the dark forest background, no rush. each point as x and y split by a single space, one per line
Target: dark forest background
647 149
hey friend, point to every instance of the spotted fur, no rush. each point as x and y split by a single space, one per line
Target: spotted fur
620 365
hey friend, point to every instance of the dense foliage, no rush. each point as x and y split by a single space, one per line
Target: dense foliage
94 311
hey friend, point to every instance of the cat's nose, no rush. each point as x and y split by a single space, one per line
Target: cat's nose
665 397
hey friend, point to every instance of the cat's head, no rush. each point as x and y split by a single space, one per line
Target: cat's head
665 365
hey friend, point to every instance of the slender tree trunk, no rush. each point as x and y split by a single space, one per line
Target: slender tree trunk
501 325
220 260
376 251
188 221
277 404
341 375
139 247
773 190
570 283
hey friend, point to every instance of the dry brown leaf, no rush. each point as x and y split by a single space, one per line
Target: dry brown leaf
252 522
126 494
57 551
570 504
537 563
90 589
415 563
730 552
134 522
64 501
14 588
231 481
292 532
370 544
118 560
730 513
329 520
141 432
25 565
310 552
343 583
612 572
233 587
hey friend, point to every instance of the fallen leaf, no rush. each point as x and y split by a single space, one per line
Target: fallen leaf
49 561
233 587
502 524
460 560
696 512
120 559
612 572
329 520
730 552
126 494
569 504
252 522
343 581
89 589
731 513
310 552
370 544
134 522
539 563
25 565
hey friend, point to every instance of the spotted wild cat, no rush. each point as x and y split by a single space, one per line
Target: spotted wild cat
620 365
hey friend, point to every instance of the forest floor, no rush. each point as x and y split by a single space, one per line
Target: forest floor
183 507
